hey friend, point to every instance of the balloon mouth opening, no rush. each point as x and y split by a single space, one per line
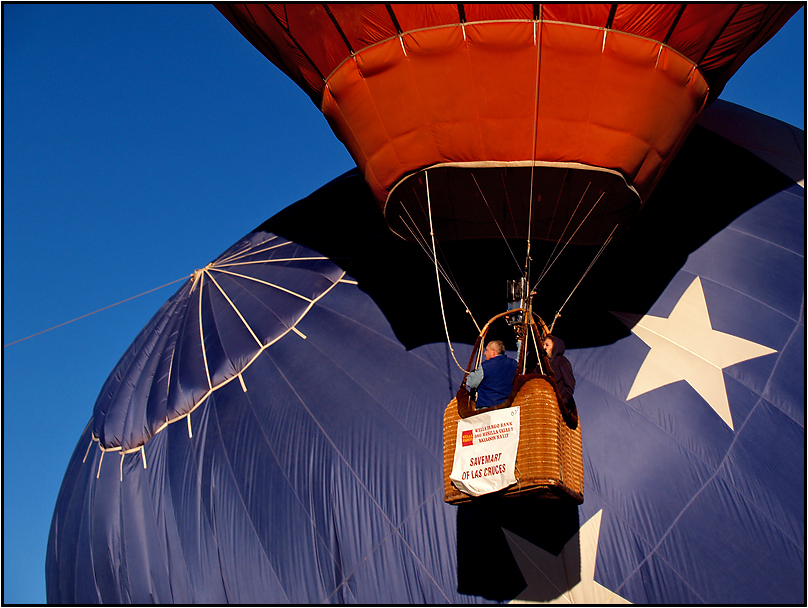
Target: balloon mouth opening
571 202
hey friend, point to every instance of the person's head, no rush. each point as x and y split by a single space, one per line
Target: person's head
548 345
494 349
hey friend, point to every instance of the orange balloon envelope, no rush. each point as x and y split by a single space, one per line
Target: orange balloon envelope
556 117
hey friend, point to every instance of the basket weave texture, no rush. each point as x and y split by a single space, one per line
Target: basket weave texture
548 458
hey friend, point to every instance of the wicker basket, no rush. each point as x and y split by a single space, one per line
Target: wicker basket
548 459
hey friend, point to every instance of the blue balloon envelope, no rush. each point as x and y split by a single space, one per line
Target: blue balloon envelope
274 434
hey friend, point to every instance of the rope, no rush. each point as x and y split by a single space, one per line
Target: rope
591 264
569 240
201 276
508 202
536 347
419 238
437 275
537 41
92 313
493 217
552 221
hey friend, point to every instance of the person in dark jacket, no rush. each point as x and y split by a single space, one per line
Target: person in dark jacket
562 371
494 378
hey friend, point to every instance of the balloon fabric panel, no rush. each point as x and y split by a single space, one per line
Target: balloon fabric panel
647 21
120 387
203 340
363 24
309 25
788 379
321 482
619 87
411 16
751 252
595 15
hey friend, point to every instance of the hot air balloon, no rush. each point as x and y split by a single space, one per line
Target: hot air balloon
321 482
274 434
527 116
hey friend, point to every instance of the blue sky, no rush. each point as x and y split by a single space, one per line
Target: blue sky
140 141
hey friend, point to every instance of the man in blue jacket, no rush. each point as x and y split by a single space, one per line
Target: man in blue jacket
494 378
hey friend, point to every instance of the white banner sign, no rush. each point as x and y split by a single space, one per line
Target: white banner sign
485 453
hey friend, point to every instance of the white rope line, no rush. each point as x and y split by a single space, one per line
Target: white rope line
201 281
493 217
444 274
247 248
537 42
170 369
244 249
508 202
421 240
535 345
572 236
588 213
419 237
231 264
250 249
249 278
563 232
237 311
224 382
95 312
425 249
437 274
591 264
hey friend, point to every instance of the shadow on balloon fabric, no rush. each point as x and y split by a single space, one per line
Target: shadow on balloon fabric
705 189
485 561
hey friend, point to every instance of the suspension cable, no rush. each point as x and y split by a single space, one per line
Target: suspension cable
591 264
437 275
508 202
421 240
95 312
569 240
552 221
537 42
502 234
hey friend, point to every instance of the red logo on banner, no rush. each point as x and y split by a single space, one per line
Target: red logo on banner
468 438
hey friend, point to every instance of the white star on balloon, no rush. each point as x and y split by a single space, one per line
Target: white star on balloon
568 576
686 347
